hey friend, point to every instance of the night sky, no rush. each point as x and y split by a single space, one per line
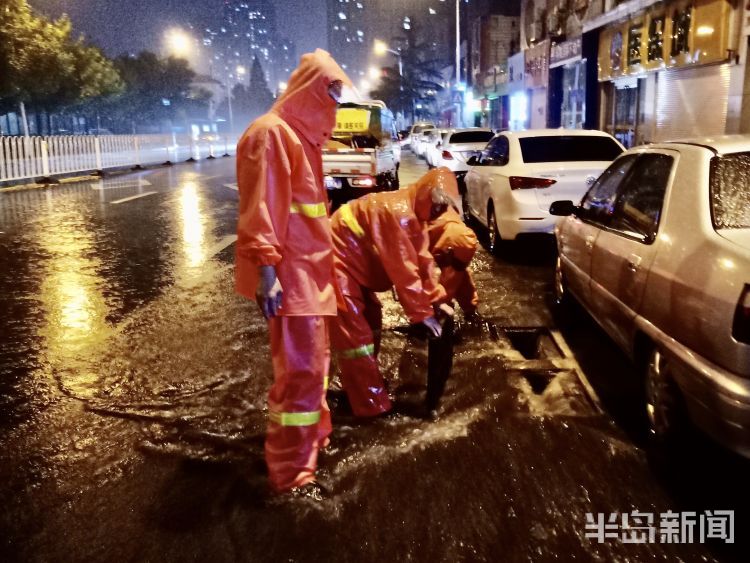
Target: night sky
120 26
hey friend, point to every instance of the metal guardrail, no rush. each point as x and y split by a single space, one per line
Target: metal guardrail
23 158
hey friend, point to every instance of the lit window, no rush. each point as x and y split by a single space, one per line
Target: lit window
634 45
360 33
681 31
656 39
342 16
432 12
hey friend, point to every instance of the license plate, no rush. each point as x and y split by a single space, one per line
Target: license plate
332 183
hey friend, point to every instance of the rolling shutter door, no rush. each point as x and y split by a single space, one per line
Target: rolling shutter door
691 102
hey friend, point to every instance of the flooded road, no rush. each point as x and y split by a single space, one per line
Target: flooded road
132 407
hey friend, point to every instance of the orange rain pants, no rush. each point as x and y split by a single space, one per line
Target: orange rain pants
299 421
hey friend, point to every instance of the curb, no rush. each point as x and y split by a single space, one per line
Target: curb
35 186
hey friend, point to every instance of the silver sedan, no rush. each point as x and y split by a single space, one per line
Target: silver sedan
658 251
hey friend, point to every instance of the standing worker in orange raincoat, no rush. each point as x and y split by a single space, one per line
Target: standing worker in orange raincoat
453 245
284 260
381 241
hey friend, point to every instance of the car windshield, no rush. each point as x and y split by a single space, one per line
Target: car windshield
730 191
570 148
471 137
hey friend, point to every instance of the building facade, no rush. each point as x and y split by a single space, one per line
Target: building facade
642 70
248 29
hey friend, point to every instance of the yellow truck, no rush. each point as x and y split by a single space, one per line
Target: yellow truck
363 154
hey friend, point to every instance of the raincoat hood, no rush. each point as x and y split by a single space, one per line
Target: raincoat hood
305 104
421 192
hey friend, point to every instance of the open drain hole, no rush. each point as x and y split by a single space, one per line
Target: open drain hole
539 380
534 343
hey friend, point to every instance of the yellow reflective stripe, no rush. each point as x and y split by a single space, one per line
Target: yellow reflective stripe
325 383
350 221
313 210
294 418
360 352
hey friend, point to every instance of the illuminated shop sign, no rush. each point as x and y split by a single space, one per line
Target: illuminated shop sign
679 34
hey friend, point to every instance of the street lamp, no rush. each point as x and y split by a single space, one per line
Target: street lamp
178 42
241 72
381 48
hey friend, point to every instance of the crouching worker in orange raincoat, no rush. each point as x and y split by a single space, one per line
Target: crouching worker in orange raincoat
453 246
284 260
380 241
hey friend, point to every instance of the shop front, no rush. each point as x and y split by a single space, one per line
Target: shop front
518 98
536 80
567 85
665 73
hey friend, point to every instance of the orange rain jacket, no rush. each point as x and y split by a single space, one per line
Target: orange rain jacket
381 241
283 204
453 245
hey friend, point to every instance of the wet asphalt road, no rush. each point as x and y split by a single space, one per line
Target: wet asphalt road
132 385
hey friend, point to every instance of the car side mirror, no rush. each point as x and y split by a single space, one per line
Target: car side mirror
562 208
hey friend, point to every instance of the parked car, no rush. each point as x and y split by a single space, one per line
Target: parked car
511 185
430 148
420 140
416 129
658 251
458 145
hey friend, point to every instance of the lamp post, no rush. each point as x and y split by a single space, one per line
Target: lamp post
381 48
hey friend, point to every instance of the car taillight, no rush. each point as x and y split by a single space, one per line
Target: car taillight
363 182
526 183
447 155
741 327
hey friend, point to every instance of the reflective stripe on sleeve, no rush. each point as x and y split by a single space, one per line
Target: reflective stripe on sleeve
350 220
359 352
325 383
313 210
294 418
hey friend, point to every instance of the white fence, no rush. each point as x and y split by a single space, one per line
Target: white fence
24 158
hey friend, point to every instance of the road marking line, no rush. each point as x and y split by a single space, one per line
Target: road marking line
567 352
232 186
131 198
119 185
221 245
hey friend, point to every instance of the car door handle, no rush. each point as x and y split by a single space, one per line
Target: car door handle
590 242
634 262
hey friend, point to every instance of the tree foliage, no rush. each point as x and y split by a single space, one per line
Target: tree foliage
42 66
249 102
421 67
155 90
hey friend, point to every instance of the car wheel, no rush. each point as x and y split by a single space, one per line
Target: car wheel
495 240
665 408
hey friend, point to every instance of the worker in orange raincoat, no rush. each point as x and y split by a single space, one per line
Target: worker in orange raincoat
453 245
284 260
380 241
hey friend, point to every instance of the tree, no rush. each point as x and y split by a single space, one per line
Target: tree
42 67
155 90
260 96
421 66
249 102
